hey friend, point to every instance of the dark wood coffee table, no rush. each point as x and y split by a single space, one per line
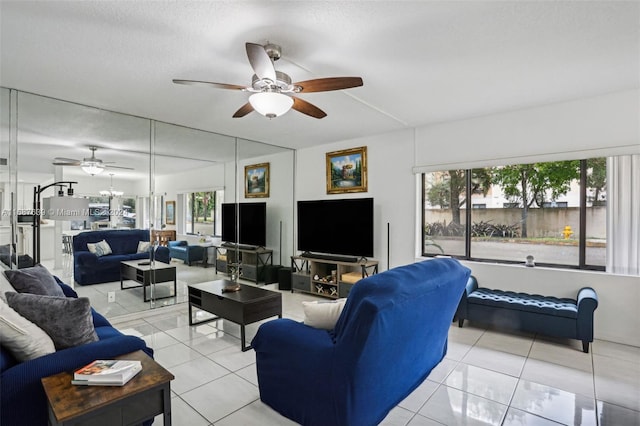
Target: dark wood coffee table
140 271
248 305
144 397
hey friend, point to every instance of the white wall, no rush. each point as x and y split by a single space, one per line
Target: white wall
602 125
223 176
596 126
390 182
279 203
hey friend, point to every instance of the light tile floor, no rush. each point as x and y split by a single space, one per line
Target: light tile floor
488 377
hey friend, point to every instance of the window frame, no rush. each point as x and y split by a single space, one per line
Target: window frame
218 198
582 239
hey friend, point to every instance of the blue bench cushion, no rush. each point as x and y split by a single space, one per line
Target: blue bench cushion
525 302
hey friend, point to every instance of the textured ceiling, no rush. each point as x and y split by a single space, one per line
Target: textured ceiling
421 62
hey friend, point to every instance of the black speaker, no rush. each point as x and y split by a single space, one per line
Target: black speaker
271 273
284 279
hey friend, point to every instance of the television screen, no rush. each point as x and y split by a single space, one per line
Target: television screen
252 221
25 218
342 227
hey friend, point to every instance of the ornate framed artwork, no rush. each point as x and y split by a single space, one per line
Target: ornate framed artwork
256 181
347 170
170 212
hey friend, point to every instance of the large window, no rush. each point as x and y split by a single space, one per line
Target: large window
554 211
203 213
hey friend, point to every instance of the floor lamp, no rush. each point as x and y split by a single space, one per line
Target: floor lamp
59 208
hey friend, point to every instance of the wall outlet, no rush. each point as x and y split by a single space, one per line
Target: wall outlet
111 296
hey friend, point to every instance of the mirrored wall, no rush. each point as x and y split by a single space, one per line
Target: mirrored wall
133 173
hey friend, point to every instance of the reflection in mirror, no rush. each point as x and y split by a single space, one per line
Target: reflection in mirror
190 169
279 200
107 155
161 183
7 251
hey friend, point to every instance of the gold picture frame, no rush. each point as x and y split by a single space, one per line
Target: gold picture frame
347 170
256 181
170 212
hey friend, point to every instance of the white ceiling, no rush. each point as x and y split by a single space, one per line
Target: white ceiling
422 62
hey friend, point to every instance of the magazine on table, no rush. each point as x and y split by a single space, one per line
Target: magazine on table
107 372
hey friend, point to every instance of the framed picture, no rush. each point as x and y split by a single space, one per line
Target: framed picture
347 170
170 212
256 181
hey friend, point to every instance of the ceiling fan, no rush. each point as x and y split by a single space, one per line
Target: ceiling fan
92 165
273 91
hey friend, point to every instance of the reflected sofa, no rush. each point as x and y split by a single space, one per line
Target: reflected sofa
89 268
392 332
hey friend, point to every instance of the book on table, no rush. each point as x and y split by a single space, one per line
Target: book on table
106 372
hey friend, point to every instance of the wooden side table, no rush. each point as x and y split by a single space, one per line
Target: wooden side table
144 397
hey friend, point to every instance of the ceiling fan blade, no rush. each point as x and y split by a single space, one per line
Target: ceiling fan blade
305 107
211 84
260 61
117 167
328 84
60 161
244 110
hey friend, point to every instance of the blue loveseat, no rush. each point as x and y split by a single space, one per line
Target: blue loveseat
391 334
88 268
23 399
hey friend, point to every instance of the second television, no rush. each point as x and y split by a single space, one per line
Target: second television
252 221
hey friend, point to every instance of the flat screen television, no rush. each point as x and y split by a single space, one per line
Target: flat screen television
341 227
252 220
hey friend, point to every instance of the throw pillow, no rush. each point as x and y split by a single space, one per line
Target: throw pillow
101 248
35 280
323 314
143 246
68 321
21 337
91 247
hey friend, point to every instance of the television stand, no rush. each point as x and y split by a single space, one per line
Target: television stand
325 276
249 262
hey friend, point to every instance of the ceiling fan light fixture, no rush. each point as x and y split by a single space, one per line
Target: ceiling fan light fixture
92 169
111 192
271 104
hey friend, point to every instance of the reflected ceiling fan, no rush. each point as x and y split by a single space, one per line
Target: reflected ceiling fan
272 91
92 165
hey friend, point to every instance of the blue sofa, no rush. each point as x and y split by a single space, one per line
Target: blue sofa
91 269
392 332
185 252
547 315
23 399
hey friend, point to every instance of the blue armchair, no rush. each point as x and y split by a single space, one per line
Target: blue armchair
391 334
183 251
